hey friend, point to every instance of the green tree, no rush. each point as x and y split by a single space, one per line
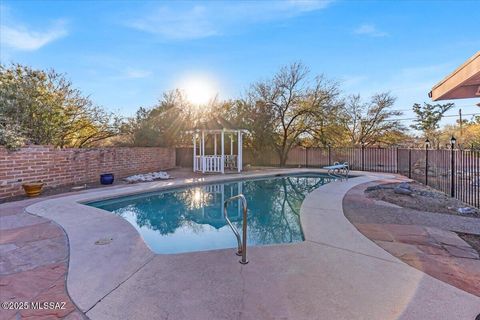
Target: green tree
164 124
467 136
428 119
167 123
42 107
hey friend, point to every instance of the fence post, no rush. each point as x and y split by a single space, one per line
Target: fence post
452 172
306 157
329 155
410 163
397 160
363 157
426 164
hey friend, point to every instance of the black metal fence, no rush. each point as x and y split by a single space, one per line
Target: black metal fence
454 172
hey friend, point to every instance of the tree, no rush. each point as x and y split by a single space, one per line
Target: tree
10 135
428 118
164 124
369 123
42 107
281 110
167 123
467 136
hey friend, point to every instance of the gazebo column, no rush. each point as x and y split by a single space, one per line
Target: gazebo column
231 144
223 151
215 144
195 152
240 151
203 152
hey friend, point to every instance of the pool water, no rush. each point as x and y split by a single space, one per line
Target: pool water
191 219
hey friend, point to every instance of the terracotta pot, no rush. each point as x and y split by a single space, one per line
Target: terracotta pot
33 189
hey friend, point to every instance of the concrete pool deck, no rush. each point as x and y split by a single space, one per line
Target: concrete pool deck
337 273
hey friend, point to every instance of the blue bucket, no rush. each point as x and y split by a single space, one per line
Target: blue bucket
106 178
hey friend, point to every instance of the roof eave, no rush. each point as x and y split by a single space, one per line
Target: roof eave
461 83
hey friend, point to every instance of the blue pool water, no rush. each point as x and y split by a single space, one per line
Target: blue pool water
191 219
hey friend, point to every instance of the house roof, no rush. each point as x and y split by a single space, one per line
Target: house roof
462 83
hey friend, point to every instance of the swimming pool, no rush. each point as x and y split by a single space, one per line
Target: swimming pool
191 219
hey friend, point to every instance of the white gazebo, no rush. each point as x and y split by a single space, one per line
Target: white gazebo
218 161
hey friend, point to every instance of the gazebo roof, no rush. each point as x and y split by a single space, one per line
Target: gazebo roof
216 125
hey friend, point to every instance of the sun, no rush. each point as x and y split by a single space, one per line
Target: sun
199 90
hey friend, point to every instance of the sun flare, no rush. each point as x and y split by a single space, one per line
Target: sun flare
199 90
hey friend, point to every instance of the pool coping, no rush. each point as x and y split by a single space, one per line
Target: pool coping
108 267
86 295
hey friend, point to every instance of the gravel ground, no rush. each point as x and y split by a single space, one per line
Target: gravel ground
472 239
423 198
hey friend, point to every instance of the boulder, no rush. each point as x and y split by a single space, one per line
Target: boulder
404 185
403 191
467 210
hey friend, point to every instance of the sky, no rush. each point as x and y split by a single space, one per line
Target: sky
125 54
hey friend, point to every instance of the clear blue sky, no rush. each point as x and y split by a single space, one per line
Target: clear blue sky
125 54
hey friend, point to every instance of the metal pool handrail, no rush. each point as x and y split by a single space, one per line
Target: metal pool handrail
242 243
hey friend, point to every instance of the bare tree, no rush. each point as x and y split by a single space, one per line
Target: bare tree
368 123
285 107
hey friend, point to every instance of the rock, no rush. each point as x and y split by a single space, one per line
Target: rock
147 177
404 191
379 187
467 210
404 185
418 171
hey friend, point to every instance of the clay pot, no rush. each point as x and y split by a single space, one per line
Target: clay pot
33 189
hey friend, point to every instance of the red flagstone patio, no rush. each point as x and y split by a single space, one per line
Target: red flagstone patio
35 252
33 264
439 253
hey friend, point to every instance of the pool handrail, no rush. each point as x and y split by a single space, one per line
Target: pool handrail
241 243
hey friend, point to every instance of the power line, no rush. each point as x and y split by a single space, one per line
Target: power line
456 106
446 116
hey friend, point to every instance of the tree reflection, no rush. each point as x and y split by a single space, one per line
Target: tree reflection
273 212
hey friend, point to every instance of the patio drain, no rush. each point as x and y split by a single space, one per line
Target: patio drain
103 241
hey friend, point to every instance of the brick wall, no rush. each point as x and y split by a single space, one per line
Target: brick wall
60 167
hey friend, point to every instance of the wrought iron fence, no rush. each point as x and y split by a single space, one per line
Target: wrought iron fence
454 172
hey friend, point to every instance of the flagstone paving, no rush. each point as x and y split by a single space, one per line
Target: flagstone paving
421 239
33 264
34 261
34 256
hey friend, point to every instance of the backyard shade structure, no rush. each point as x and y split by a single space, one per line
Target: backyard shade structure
462 83
217 132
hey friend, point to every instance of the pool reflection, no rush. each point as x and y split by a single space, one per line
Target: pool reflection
192 219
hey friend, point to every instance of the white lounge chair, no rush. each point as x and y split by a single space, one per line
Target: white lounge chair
338 170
